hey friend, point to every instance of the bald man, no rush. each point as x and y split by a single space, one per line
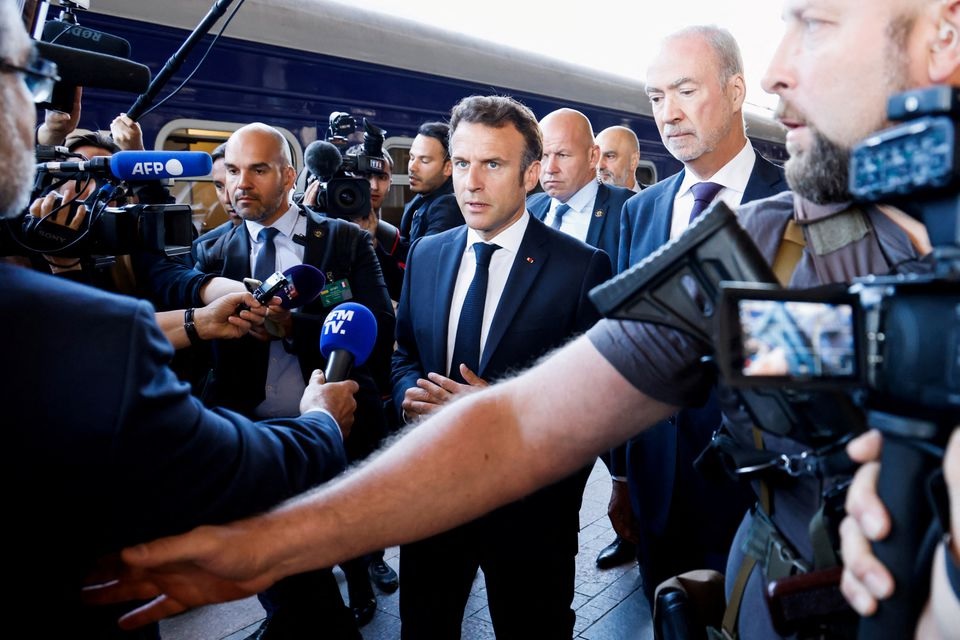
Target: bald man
619 157
574 201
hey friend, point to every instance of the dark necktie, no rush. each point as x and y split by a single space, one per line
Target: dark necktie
266 262
703 195
558 214
466 349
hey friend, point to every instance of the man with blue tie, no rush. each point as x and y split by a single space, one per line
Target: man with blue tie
573 200
479 301
696 88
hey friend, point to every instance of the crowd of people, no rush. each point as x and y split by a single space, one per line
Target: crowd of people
224 476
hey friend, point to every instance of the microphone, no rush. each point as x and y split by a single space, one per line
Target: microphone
138 165
304 284
90 69
73 35
348 336
322 159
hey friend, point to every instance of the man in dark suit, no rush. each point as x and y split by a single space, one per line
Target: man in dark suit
262 377
455 334
696 87
589 210
104 447
433 208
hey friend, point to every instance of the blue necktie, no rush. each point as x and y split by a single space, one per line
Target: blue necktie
558 214
266 262
703 195
466 349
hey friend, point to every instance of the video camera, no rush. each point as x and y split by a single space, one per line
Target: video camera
344 191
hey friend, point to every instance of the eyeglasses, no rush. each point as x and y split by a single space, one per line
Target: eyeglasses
39 75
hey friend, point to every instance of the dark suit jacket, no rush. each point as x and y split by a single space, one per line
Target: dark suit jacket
658 463
342 251
604 230
543 304
426 215
105 448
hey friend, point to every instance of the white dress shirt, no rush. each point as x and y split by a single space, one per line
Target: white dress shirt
500 264
733 176
576 221
284 385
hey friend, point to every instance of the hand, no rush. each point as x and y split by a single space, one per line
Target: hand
369 224
335 397
310 194
57 208
865 579
430 395
221 320
57 125
275 323
621 513
203 566
126 133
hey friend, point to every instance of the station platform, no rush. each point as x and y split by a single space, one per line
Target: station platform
609 603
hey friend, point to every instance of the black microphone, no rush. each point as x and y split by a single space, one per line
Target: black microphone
322 159
73 35
348 336
89 69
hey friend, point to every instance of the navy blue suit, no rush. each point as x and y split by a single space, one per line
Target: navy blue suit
543 304
686 521
426 215
106 448
604 230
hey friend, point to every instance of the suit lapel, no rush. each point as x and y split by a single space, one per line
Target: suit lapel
540 207
762 182
598 216
529 261
448 266
663 210
236 257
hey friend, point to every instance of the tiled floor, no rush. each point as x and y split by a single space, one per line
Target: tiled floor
609 604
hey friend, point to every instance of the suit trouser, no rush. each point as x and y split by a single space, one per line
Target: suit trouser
527 552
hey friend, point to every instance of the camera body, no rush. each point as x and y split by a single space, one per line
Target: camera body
344 191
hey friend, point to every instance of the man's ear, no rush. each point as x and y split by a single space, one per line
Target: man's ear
448 167
944 64
738 86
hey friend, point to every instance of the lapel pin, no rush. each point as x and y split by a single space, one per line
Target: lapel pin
598 213
529 259
317 233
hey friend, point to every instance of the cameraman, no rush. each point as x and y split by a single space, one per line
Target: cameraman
865 580
103 446
838 62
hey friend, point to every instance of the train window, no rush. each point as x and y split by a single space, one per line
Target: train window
400 194
206 135
646 172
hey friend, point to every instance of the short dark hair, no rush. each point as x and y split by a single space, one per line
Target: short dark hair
219 153
439 131
91 139
497 111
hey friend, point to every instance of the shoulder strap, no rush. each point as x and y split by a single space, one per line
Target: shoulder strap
789 252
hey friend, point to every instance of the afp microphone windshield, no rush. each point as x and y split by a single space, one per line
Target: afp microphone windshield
138 166
348 336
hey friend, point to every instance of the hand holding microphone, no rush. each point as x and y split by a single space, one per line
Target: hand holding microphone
299 285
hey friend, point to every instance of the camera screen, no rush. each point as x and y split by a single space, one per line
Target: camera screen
789 338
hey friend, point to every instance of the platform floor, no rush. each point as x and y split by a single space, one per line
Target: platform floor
609 604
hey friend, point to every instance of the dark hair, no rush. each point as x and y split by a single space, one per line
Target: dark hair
219 153
92 139
439 131
497 111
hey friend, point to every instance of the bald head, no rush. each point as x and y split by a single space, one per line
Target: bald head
260 173
619 157
17 116
570 154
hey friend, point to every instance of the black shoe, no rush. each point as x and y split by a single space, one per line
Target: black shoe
616 553
383 576
363 603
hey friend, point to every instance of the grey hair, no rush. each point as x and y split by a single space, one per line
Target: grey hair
729 59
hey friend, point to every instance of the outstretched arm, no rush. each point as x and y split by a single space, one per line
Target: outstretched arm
487 450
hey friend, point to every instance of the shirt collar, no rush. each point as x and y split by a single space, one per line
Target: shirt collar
582 200
509 239
733 176
285 224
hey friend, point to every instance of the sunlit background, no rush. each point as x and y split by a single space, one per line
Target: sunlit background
618 37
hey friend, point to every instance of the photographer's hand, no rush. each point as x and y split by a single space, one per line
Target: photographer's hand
310 194
57 125
57 208
126 133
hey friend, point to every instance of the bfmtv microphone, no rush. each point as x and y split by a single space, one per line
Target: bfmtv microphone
348 336
304 284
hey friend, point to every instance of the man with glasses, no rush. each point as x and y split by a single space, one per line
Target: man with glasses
103 446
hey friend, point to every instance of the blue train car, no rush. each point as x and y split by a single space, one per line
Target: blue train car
290 63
